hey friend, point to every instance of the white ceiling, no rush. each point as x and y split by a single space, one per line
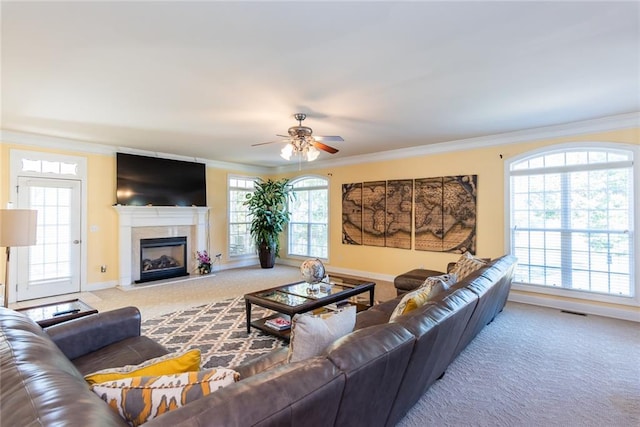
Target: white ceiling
208 79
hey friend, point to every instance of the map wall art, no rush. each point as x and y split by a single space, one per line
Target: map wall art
439 213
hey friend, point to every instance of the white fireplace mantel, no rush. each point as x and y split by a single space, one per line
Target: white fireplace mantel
132 217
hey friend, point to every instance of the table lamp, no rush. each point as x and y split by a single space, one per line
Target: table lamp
17 228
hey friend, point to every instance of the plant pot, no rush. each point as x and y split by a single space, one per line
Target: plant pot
267 255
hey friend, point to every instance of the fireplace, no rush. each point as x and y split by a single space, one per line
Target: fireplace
162 258
151 222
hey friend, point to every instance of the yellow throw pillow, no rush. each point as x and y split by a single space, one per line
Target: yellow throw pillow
139 399
431 287
173 363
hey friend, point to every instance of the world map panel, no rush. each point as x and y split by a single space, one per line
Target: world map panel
399 208
446 213
373 213
352 214
428 221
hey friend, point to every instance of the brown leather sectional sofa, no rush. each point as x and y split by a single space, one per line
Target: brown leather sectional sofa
372 376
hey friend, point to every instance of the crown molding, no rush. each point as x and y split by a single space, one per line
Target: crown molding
604 124
57 143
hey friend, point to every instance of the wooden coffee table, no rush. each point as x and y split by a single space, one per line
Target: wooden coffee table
57 312
299 297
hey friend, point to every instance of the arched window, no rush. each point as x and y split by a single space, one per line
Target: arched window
572 219
309 224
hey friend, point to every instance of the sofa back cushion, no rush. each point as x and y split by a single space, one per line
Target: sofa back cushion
373 361
491 284
40 386
438 328
305 393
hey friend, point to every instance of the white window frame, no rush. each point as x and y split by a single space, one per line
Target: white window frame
327 187
252 253
575 293
80 173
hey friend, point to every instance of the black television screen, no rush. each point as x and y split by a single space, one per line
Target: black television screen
155 181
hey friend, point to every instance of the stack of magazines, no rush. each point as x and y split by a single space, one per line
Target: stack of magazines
278 323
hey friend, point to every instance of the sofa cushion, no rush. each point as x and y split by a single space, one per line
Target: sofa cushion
173 363
413 279
139 399
305 393
130 351
466 265
373 361
310 335
431 287
39 385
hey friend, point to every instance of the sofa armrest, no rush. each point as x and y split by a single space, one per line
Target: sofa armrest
87 334
262 363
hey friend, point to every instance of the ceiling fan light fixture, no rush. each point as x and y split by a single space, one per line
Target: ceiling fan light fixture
286 152
312 153
302 144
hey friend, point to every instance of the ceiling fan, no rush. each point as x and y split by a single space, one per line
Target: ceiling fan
302 142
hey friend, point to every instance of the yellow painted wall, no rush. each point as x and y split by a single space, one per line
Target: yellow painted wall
484 162
102 244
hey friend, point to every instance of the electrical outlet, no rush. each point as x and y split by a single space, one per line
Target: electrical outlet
103 269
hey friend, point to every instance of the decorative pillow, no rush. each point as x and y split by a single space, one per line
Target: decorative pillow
173 363
444 280
431 287
139 399
466 265
311 335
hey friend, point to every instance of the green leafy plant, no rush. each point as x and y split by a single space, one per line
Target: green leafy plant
269 212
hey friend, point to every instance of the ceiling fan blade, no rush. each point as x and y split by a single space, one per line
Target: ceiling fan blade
270 142
328 138
321 146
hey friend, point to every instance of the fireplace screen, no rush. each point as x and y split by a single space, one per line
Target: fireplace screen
162 258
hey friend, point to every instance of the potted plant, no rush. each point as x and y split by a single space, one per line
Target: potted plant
269 215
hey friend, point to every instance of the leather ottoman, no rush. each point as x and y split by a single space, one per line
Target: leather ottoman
412 279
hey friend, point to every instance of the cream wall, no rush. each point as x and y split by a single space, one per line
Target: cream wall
381 263
484 162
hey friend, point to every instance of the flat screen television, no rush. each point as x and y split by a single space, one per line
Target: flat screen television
143 180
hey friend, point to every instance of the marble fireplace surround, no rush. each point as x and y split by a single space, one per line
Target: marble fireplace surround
144 222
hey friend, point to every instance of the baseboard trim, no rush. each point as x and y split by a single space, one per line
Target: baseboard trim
614 311
97 286
346 271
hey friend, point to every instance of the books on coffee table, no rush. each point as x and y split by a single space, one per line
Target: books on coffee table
278 323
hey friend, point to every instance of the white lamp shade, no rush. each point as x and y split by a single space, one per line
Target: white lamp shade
18 227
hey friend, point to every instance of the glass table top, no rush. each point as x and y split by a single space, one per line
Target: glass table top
298 293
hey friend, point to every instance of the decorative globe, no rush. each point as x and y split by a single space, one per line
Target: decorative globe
312 271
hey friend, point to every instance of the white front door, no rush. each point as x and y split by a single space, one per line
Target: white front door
52 266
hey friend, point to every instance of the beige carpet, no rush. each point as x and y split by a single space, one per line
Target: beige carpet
535 366
162 297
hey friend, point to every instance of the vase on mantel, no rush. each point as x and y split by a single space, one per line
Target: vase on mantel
204 269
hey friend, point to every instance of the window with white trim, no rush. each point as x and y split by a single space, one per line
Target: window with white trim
239 219
571 220
309 224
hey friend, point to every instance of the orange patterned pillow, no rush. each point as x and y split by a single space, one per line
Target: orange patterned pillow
140 399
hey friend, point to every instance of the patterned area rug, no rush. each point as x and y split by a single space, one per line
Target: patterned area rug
217 329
